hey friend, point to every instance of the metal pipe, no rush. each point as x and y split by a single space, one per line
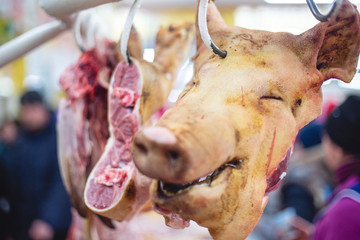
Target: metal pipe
26 42
61 9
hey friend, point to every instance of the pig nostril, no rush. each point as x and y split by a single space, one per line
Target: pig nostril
173 154
173 157
141 148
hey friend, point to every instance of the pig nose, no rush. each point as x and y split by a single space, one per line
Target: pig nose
157 154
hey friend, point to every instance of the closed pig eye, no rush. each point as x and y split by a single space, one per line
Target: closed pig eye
272 98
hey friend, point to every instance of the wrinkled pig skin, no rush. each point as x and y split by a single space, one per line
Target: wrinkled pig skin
152 82
248 106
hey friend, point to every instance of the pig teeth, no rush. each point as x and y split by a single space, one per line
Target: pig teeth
171 190
170 194
282 175
203 178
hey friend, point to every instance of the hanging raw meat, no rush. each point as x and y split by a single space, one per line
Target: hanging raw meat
225 144
115 188
82 122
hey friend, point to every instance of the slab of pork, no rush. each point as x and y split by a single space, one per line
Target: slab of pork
83 126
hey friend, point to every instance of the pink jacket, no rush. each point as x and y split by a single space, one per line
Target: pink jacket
341 218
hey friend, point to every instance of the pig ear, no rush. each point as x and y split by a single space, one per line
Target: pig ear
135 45
214 21
336 44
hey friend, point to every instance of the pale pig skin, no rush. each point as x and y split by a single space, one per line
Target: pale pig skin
248 106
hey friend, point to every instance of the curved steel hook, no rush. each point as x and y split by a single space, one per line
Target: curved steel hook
94 28
77 34
318 15
124 39
204 32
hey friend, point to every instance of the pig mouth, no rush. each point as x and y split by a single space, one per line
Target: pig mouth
167 190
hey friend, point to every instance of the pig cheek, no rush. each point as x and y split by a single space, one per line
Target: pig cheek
241 199
285 135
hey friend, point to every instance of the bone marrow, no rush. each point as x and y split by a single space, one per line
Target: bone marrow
112 176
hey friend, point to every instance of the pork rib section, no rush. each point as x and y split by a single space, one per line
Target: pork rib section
114 188
82 126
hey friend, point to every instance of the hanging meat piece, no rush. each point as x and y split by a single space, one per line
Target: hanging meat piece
115 188
82 125
84 97
225 144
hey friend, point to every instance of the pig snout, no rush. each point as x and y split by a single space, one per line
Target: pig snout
180 150
157 154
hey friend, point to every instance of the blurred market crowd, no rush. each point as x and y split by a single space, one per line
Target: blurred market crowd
33 201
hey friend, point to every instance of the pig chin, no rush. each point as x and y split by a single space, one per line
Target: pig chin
232 194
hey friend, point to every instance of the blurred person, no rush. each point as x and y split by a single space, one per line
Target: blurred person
342 150
39 205
308 181
340 219
8 133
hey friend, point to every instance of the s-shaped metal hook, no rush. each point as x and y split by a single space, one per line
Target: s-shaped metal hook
318 15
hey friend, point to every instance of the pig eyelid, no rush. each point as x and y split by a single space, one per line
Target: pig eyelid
272 98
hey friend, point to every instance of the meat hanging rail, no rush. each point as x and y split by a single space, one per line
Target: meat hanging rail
65 10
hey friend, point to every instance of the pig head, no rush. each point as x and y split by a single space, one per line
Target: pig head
225 144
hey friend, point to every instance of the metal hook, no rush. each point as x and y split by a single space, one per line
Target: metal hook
77 33
94 28
204 32
124 39
318 15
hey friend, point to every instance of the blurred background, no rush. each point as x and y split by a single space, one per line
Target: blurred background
41 68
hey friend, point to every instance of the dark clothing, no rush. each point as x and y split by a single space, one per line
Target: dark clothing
310 135
4 204
36 189
296 196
